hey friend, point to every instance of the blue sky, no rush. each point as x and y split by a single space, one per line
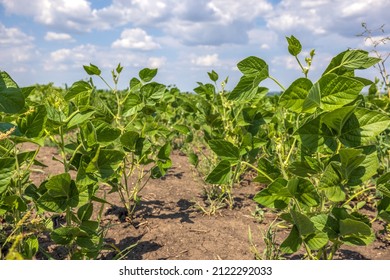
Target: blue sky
44 41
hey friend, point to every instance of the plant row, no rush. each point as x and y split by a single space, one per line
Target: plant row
320 149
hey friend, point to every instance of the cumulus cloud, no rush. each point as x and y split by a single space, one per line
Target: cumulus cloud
157 62
206 60
69 15
212 34
322 17
229 11
205 29
135 38
54 36
71 58
13 36
16 47
103 57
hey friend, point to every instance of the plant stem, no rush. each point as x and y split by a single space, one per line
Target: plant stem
308 251
258 170
290 152
335 247
104 81
62 147
277 82
68 216
300 65
357 194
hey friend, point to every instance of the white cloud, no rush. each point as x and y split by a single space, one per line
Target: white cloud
54 36
187 35
16 47
60 55
65 14
229 11
138 12
207 33
206 60
67 58
321 17
265 46
157 62
135 38
13 36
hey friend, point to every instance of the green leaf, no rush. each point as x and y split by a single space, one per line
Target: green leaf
367 169
129 140
11 97
314 135
60 197
78 88
7 167
182 129
26 91
384 189
350 159
337 91
65 235
221 174
313 99
88 135
33 123
317 241
132 105
327 224
384 208
276 195
302 169
304 191
105 163
294 46
135 84
83 178
363 126
304 225
193 159
385 178
25 157
213 75
79 118
105 132
295 96
268 168
154 91
225 150
30 247
254 67
350 60
147 74
355 232
14 202
119 68
165 152
161 168
292 243
85 212
246 89
330 182
59 185
336 119
92 69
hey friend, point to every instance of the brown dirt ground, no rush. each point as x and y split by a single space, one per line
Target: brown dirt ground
168 225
